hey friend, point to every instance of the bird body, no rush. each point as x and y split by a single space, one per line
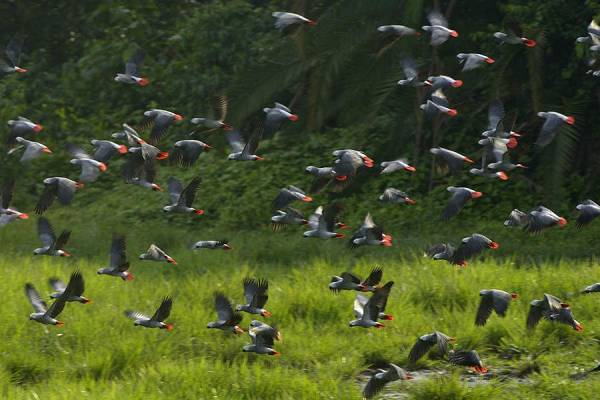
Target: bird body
285 20
553 122
212 245
588 211
438 28
155 253
471 61
182 199
263 339
132 69
157 320
42 313
119 266
255 292
370 234
492 299
322 224
467 358
228 319
21 127
382 377
426 342
52 245
74 288
395 196
511 38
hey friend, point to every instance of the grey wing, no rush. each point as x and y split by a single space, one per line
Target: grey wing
284 197
6 219
264 336
294 213
438 37
371 310
66 191
46 232
381 295
260 295
328 218
133 166
549 130
76 151
587 214
419 349
135 315
495 114
32 151
442 341
164 310
235 141
485 310
76 284
471 62
253 141
350 277
516 218
58 305
374 277
35 299
57 285
46 198
462 357
250 289
134 64
62 240
538 220
347 164
315 218
161 124
104 152
223 307
89 172
409 66
6 193
189 193
221 107
118 257
437 18
373 386
455 204
455 164
501 302
536 312
175 188
438 97
475 244
282 107
13 50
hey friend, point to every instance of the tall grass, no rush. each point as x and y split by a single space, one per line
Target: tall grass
99 354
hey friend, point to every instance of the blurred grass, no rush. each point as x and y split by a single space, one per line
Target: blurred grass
99 354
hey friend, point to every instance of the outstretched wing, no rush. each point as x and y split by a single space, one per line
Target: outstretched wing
35 299
164 310
189 193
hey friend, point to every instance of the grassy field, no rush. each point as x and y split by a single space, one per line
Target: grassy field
99 354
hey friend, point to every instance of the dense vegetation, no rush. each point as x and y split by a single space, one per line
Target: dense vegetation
340 78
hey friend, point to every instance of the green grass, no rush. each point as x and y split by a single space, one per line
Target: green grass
99 354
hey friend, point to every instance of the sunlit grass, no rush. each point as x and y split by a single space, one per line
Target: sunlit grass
100 354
